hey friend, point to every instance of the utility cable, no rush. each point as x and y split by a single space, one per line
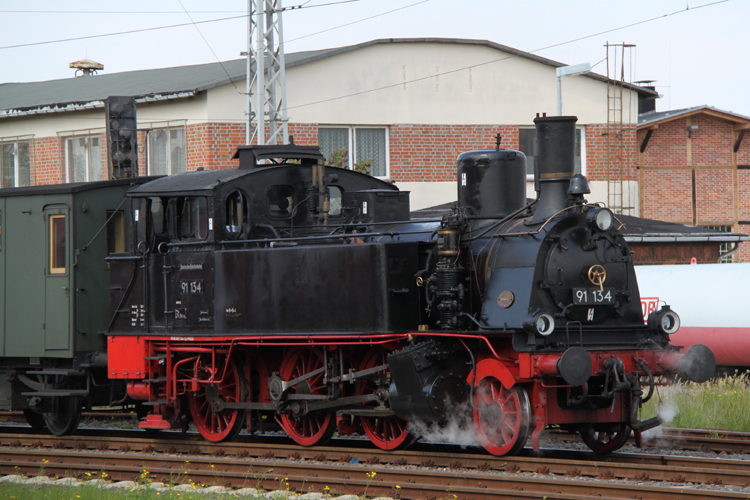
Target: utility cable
211 49
141 30
384 87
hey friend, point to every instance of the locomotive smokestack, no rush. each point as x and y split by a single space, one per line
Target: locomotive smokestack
555 164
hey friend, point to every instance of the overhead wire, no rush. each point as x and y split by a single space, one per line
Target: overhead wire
210 48
127 32
457 70
120 12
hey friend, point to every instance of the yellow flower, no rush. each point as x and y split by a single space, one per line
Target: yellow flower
398 487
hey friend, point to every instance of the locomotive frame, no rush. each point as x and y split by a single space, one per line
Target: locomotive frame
294 292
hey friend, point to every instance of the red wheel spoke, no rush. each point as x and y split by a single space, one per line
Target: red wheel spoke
387 433
227 424
314 428
502 421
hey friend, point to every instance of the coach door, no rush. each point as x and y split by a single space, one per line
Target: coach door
57 299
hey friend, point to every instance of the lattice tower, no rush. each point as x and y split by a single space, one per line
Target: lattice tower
266 77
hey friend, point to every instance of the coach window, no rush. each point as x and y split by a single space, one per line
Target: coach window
115 231
280 201
235 215
57 244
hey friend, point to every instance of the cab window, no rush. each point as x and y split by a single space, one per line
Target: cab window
334 194
188 217
235 215
280 201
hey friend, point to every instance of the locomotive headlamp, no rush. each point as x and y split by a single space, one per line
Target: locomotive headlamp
600 218
544 324
664 320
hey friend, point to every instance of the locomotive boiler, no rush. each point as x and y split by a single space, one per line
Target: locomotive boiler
286 291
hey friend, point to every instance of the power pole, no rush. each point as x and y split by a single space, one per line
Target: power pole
266 76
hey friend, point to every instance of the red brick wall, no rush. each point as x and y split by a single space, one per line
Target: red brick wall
744 209
142 154
668 144
197 152
47 161
668 196
743 154
596 153
712 143
212 145
668 193
429 152
714 196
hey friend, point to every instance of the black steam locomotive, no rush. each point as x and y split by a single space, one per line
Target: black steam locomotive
292 291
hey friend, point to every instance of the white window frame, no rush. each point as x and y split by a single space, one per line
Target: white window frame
582 128
353 145
85 134
723 247
167 127
15 140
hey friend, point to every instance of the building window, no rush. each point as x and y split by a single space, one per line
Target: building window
166 151
83 158
368 145
724 247
15 164
527 145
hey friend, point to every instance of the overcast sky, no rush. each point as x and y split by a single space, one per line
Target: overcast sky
694 49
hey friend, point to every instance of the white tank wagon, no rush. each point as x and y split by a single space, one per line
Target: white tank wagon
713 302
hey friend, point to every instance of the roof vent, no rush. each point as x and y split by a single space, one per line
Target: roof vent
87 67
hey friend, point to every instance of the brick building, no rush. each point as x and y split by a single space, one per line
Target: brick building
412 105
694 168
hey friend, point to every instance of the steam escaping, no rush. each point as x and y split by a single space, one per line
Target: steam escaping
667 411
457 429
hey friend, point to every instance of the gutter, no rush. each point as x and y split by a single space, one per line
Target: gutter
82 106
685 238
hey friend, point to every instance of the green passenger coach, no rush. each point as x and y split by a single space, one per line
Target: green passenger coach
55 297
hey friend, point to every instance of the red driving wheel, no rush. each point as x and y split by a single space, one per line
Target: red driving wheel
387 433
224 425
314 427
501 416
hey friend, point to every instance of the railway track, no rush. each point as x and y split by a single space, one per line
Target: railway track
348 467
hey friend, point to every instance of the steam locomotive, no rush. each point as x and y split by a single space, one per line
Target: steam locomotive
292 292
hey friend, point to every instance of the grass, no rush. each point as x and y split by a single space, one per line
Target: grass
722 403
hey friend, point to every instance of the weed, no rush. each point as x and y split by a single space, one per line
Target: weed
720 404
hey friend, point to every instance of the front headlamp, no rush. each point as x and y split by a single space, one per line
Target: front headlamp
544 324
600 218
665 320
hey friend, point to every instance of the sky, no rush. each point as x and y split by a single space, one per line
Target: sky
693 49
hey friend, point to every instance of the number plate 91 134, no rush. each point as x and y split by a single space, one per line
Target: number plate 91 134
593 296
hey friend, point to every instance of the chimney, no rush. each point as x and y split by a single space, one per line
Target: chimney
555 164
87 67
646 104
